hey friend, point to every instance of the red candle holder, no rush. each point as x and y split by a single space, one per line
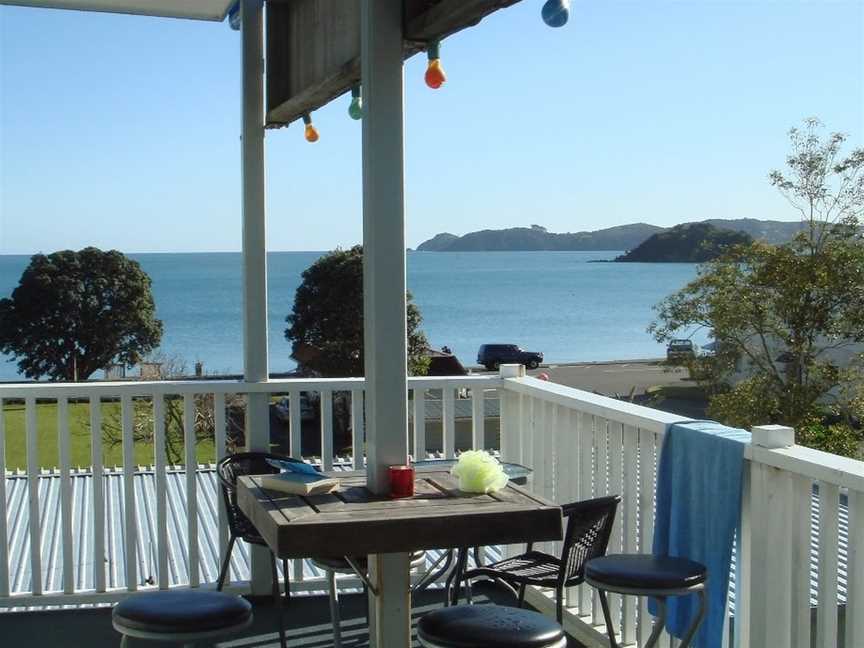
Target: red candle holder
401 481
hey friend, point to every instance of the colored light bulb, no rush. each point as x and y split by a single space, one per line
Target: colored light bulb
234 17
355 110
555 13
435 76
310 133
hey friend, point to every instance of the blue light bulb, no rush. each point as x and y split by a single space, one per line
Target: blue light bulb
556 12
234 17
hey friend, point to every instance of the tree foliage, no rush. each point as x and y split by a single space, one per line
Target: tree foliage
784 312
73 313
326 325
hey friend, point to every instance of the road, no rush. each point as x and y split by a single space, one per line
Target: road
613 377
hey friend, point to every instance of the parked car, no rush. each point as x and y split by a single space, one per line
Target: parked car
492 356
679 350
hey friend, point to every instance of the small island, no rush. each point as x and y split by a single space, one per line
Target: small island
688 243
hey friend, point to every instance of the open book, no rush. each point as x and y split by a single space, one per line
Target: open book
300 483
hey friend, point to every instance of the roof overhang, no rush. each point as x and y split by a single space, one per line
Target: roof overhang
191 9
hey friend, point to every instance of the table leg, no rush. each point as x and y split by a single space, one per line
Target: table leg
458 571
390 610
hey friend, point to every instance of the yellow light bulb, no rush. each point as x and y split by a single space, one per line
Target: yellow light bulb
311 133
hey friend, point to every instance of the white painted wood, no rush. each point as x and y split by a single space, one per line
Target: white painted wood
778 556
815 464
510 425
220 433
98 501
478 419
855 572
550 449
295 424
586 490
327 430
33 495
390 611
384 302
357 430
130 521
529 407
4 546
826 614
255 325
646 521
448 423
63 443
629 516
189 441
601 488
161 489
799 541
420 424
773 436
744 557
615 486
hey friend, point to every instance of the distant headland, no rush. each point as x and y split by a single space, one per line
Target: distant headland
621 237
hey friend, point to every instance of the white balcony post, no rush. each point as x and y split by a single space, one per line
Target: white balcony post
384 327
255 367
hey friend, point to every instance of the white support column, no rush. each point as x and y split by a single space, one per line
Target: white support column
255 367
384 328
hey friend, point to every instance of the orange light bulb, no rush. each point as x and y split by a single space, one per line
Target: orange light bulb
435 76
311 133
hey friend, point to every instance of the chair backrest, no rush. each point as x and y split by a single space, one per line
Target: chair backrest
589 526
229 470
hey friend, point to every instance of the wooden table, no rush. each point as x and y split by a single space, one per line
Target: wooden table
352 521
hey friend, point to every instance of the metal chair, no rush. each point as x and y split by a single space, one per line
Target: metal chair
589 525
229 470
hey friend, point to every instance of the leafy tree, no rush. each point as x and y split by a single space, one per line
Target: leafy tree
785 311
326 325
76 312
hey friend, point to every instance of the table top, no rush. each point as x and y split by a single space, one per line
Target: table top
352 521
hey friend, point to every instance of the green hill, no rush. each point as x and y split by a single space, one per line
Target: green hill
688 243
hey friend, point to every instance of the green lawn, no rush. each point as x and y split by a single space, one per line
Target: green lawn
79 430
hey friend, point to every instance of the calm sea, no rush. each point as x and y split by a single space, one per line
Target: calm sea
554 302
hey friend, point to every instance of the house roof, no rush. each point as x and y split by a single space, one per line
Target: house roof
192 9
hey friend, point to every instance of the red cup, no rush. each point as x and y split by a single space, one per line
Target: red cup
401 481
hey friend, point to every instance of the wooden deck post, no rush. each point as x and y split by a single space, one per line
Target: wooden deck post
255 362
384 303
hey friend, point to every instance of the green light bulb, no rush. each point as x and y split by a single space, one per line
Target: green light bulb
355 110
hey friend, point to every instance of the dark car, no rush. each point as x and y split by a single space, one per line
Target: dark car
492 356
681 350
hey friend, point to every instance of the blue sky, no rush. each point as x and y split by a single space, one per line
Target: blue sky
123 132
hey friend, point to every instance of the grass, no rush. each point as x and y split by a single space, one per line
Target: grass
79 436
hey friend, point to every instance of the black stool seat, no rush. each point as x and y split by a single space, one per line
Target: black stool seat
481 626
183 611
645 572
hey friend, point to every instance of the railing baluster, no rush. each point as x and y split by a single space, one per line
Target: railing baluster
586 490
801 511
220 433
357 428
855 571
448 423
65 495
826 614
326 429
601 486
628 517
191 489
295 424
161 488
97 491
616 487
130 523
419 424
33 496
4 542
478 418
646 521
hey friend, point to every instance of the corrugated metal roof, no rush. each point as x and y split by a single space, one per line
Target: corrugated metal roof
462 409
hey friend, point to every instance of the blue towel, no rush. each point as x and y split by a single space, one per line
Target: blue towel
699 483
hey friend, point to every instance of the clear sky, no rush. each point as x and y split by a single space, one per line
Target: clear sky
123 132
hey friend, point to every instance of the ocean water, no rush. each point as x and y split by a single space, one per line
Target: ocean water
554 302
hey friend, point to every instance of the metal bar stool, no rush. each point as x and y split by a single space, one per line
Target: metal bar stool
658 577
482 626
185 616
